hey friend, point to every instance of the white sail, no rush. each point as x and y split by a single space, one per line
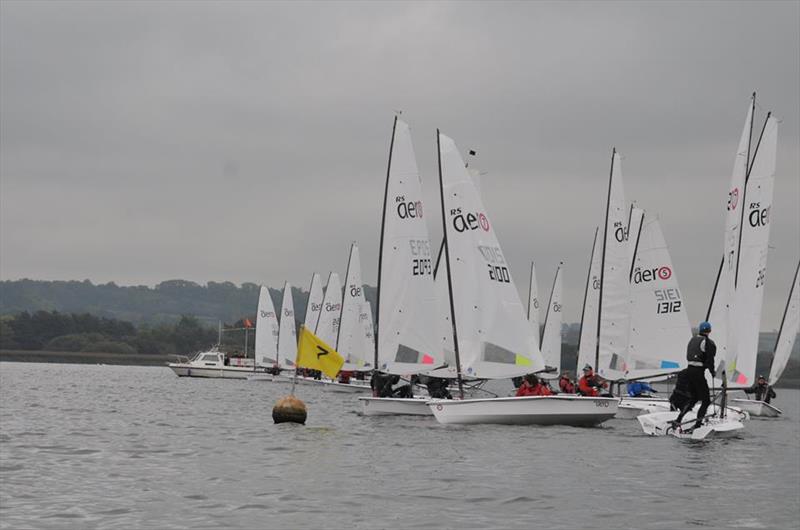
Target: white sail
266 350
614 289
752 269
314 303
718 314
351 343
445 325
328 324
660 326
369 333
494 339
587 342
790 325
287 338
406 298
551 337
533 306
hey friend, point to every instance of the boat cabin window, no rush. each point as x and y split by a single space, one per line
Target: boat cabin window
209 358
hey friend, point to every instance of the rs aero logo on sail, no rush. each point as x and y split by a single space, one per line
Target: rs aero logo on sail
408 209
469 221
648 275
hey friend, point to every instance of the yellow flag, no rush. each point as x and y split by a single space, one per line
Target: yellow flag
315 354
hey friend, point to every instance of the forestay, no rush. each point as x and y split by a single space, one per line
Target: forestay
407 334
790 325
551 337
660 326
266 350
328 325
495 340
287 338
351 343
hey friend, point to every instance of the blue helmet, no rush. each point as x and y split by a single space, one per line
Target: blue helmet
704 327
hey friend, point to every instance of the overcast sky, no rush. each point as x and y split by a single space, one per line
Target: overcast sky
143 142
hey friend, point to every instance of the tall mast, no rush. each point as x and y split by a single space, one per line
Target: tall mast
449 275
380 248
716 285
586 291
603 263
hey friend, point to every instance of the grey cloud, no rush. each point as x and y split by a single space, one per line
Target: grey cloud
248 141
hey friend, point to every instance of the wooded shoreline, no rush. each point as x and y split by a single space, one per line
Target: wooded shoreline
144 359
71 357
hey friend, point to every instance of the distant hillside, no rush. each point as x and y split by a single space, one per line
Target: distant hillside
164 303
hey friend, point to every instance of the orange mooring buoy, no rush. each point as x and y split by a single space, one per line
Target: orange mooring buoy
289 409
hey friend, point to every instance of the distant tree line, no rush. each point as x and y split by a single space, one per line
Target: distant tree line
54 331
167 302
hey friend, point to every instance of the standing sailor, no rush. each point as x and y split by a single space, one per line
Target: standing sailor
700 354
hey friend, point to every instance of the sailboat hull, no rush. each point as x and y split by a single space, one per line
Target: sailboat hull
658 424
374 406
630 408
529 410
345 388
756 408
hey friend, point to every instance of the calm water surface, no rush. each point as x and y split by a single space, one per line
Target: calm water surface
123 447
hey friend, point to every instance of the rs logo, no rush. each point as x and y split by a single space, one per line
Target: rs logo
758 216
469 221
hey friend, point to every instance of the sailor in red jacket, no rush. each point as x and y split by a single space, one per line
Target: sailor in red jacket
531 386
590 384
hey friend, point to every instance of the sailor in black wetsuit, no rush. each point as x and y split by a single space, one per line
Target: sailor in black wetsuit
700 354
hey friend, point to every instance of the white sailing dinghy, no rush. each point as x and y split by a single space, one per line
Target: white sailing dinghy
735 309
787 334
287 342
659 322
613 310
492 337
406 341
351 336
327 329
287 335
